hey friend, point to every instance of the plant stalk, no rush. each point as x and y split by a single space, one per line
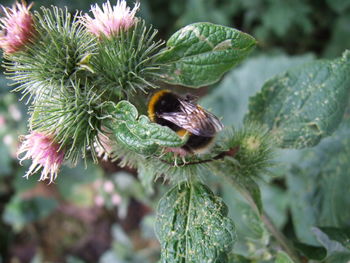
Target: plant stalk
275 232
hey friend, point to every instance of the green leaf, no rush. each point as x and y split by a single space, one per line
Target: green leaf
311 252
139 134
282 257
332 238
305 104
319 185
192 225
231 101
200 53
125 111
336 241
341 235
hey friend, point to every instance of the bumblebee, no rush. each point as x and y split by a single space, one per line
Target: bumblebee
184 116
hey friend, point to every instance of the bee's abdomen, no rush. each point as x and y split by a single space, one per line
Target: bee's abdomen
197 144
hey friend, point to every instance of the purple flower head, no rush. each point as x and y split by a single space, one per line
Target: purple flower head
44 152
16 27
110 20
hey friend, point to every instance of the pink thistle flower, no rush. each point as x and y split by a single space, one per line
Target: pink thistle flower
116 199
110 20
99 200
2 121
44 154
108 186
16 27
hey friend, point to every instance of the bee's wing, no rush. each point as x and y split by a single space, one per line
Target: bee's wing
194 119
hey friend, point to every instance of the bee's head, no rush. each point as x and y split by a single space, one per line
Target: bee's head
191 98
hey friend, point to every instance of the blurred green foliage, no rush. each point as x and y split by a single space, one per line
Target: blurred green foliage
310 189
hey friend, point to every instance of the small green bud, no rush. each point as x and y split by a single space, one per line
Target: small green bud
255 149
252 143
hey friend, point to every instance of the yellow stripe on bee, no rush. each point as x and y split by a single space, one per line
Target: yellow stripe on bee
182 132
205 148
152 102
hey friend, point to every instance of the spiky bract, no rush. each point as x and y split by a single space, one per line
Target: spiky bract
74 114
254 150
126 62
61 43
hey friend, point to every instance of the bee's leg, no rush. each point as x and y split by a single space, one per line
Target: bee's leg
163 152
183 159
175 160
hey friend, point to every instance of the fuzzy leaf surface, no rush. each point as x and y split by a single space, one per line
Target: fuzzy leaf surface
139 134
231 101
305 104
318 185
200 53
192 226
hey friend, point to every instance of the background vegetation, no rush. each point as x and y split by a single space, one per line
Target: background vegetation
104 214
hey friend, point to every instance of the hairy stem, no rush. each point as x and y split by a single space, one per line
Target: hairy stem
275 232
